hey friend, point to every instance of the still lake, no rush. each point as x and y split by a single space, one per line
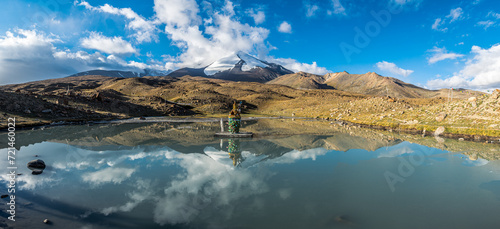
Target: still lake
290 175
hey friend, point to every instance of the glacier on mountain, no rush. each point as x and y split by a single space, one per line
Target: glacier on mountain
229 62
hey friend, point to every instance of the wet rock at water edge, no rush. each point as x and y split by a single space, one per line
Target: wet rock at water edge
439 131
37 172
36 166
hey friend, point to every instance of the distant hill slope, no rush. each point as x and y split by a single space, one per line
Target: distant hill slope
62 84
302 80
369 84
372 83
238 66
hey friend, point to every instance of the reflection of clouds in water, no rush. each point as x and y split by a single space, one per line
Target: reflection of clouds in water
107 175
30 182
406 149
144 192
82 159
212 181
295 155
476 162
285 193
206 182
396 152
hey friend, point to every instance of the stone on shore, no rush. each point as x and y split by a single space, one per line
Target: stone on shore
439 131
441 116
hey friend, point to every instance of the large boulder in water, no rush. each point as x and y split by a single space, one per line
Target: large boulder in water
37 166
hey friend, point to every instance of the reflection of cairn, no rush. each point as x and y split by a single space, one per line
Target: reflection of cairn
234 120
234 151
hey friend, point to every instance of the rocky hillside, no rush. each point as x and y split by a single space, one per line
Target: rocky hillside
370 84
302 80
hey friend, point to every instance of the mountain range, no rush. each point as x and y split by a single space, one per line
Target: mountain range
240 66
369 83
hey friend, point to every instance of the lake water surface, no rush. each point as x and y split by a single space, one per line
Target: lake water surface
180 176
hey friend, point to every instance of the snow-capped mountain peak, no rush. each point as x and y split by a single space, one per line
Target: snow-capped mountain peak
238 66
246 61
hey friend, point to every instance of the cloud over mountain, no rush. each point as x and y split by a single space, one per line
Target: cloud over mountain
480 71
110 45
393 69
440 54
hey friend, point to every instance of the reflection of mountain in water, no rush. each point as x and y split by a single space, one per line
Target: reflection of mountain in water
273 135
182 175
276 136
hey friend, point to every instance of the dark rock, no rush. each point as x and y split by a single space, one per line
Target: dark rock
36 164
37 172
5 196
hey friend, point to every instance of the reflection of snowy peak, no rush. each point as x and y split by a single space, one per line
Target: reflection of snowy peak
238 66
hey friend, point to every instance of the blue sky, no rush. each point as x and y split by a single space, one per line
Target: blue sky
433 44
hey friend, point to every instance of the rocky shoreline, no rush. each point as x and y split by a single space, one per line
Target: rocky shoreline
199 119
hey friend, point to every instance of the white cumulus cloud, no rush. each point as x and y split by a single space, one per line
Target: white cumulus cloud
296 66
110 45
258 15
440 54
480 71
143 30
220 36
393 69
285 27
27 55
